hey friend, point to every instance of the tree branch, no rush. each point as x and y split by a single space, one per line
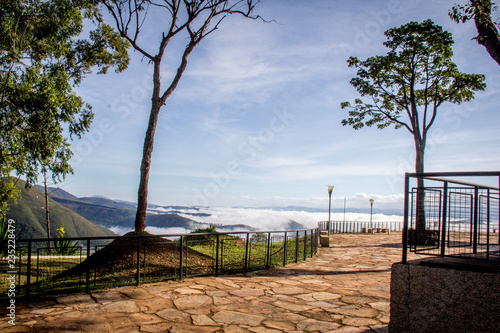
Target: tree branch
180 71
426 90
390 116
122 27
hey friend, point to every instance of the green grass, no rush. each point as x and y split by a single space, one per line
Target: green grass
233 250
42 270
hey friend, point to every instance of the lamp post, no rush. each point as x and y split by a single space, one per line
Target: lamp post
371 212
330 190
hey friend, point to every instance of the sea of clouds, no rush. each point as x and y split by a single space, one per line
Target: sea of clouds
259 218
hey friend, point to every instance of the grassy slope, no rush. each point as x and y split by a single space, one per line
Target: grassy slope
99 214
29 214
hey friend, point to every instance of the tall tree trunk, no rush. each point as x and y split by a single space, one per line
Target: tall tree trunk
142 195
420 204
47 213
157 102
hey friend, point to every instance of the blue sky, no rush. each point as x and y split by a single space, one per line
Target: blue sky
256 118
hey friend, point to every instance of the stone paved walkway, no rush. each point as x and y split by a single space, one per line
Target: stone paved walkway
346 289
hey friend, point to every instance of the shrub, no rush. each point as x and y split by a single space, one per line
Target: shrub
211 229
64 246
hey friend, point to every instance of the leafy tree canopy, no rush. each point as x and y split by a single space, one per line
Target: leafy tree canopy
405 87
45 51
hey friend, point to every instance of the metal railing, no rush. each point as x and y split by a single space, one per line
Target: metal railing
105 262
358 226
451 217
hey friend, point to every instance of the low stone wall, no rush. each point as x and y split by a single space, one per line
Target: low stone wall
434 299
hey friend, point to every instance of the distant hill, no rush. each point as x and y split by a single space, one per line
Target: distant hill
171 221
294 225
102 215
53 191
106 202
109 213
29 214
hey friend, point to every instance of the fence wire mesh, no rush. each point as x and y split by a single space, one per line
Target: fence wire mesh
452 218
105 262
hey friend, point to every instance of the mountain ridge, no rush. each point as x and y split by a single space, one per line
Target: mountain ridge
30 217
110 214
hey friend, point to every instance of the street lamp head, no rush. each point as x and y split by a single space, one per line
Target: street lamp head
330 188
372 201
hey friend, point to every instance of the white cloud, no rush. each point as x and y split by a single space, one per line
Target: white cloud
267 219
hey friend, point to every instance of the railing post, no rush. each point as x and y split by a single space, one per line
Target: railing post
305 244
488 226
285 245
476 209
143 270
20 263
312 241
246 251
445 213
297 246
28 271
87 267
138 275
317 241
405 219
181 257
37 268
217 240
268 254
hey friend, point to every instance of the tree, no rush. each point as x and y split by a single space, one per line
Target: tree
193 20
59 167
43 56
406 87
480 11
